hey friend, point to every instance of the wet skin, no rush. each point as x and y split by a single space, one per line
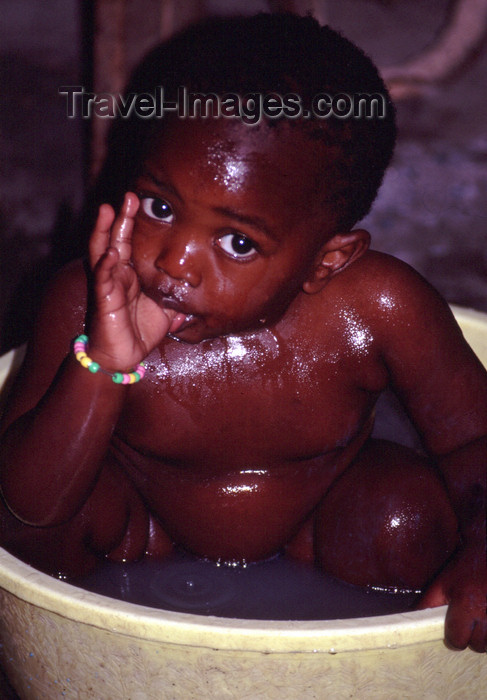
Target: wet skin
268 336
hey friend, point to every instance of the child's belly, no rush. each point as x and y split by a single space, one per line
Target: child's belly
238 514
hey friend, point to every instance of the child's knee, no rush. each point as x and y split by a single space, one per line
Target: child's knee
387 521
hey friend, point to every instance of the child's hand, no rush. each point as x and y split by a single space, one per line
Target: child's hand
462 584
126 324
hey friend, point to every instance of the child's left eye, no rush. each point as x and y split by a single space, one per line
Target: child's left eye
237 245
157 209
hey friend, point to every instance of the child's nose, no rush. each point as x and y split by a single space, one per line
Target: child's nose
180 261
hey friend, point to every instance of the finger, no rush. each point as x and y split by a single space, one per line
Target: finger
104 281
458 626
100 238
123 226
478 639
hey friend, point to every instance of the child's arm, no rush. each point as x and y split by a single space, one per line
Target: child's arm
61 416
464 579
444 389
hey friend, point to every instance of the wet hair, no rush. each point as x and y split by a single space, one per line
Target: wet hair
279 54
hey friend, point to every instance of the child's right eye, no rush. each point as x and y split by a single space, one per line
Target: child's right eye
158 209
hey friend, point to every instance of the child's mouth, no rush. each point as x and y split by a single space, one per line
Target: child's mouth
181 316
180 322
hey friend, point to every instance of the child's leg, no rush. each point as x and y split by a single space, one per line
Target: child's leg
114 522
387 521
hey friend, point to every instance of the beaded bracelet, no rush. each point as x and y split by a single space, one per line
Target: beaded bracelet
79 347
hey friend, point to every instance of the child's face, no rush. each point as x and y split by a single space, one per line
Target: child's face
229 224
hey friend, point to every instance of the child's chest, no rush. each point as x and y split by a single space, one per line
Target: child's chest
244 400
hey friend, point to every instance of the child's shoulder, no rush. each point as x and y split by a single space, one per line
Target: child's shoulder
66 294
70 281
62 311
381 284
60 318
391 299
380 270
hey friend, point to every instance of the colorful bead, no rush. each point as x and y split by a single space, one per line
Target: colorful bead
80 346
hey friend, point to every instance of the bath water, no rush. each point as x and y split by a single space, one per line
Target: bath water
278 589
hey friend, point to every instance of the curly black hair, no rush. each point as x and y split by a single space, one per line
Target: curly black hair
270 54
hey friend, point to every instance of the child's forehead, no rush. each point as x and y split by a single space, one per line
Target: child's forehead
233 150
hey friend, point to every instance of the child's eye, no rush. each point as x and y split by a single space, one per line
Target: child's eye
237 245
157 209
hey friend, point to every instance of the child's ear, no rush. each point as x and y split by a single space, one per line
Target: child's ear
334 256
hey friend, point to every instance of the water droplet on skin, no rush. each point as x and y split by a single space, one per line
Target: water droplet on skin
359 337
